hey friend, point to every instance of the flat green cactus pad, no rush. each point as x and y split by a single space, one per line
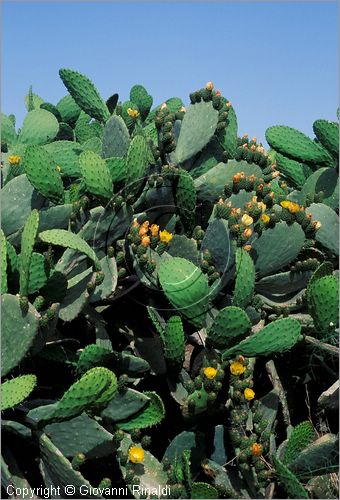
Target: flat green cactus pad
16 390
186 287
18 331
198 127
42 173
296 145
230 326
96 174
150 415
39 127
278 336
277 247
85 94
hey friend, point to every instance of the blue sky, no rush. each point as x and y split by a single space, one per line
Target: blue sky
277 62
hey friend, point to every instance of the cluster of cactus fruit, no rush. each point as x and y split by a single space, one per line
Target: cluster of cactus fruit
228 251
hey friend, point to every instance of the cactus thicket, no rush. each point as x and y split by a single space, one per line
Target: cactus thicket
169 299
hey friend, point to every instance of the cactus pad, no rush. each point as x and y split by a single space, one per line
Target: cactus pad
16 390
27 243
42 174
277 247
149 416
96 174
323 298
67 239
296 145
328 134
186 287
230 326
85 94
198 127
302 435
245 279
279 336
39 127
18 331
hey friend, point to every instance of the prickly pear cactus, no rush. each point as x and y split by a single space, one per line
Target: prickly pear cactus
169 289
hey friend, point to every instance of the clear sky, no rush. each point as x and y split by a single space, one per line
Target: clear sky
277 62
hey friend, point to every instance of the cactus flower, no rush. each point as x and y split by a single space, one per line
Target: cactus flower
58 168
236 368
143 230
182 109
247 248
249 394
154 229
135 223
209 86
256 449
247 232
145 241
210 372
14 159
228 104
136 454
265 218
316 224
165 236
133 113
247 220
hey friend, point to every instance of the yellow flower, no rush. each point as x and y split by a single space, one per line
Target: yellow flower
165 236
154 229
247 220
136 454
146 223
58 169
247 248
262 206
182 109
210 372
209 86
145 241
133 113
135 223
265 218
237 178
256 449
249 394
228 104
237 368
285 204
291 206
163 106
316 224
294 207
14 159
